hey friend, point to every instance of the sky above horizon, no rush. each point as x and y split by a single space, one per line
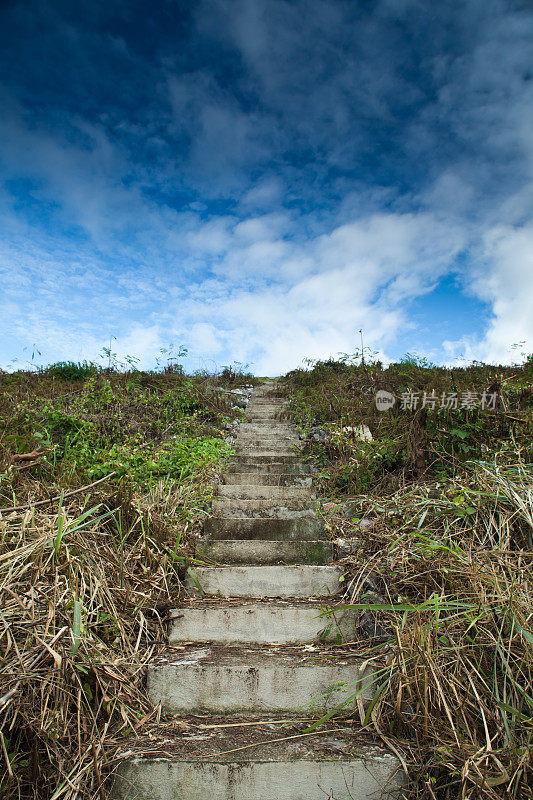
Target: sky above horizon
258 180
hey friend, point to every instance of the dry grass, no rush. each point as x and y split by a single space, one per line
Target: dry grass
83 597
86 580
455 687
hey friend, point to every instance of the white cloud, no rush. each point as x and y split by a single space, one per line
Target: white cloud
259 217
275 301
202 338
507 285
359 275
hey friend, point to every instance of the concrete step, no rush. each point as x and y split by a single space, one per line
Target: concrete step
274 454
268 401
257 458
248 762
267 408
234 679
272 447
268 431
268 465
268 442
245 461
266 420
269 479
264 412
261 528
260 551
246 491
267 426
280 581
288 509
267 413
247 622
266 448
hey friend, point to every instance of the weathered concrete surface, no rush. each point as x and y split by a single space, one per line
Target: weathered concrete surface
274 493
269 402
267 479
260 551
264 528
256 441
293 458
266 411
268 464
268 450
268 427
265 419
273 455
279 581
293 771
267 399
283 509
253 623
229 680
259 442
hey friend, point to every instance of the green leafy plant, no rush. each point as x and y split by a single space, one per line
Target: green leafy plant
71 370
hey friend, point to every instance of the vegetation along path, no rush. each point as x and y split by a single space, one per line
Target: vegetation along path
251 663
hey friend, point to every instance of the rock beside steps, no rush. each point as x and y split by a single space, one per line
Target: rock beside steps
251 661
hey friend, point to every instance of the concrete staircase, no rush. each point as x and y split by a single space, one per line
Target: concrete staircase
250 661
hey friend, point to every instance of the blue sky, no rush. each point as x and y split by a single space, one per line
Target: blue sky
259 179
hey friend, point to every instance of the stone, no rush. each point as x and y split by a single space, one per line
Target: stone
363 433
318 434
369 626
346 546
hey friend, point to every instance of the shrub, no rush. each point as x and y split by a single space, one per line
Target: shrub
71 370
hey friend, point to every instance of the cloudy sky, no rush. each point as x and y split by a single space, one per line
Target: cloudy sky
257 180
